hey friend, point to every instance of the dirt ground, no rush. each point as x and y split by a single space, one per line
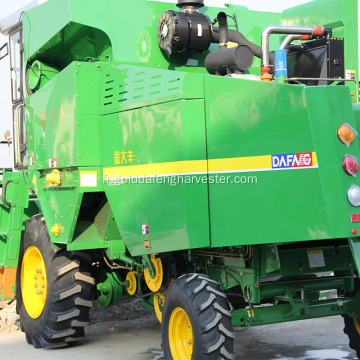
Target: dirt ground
9 320
130 332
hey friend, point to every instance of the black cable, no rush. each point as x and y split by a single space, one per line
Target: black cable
251 318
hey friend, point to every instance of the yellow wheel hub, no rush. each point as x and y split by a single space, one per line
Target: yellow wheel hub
154 284
357 325
33 282
180 335
131 278
159 302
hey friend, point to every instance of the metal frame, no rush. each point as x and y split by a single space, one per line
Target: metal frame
17 103
6 45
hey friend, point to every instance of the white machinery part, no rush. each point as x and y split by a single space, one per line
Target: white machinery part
12 20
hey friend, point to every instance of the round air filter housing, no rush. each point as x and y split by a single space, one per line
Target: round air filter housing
179 31
194 3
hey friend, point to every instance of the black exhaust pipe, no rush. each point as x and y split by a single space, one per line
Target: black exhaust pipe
228 61
223 30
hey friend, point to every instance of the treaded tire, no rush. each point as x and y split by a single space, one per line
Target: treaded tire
353 334
207 309
69 292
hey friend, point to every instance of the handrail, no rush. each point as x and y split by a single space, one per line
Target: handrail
3 193
17 137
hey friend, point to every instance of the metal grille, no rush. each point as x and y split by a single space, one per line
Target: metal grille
133 85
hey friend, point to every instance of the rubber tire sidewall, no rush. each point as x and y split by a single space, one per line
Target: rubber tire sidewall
174 300
354 336
32 326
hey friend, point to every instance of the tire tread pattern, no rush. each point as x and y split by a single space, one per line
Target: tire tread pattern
211 319
69 293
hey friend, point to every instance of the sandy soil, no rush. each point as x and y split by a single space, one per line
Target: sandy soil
8 317
9 320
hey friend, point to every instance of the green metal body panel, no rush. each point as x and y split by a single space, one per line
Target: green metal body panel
286 312
65 38
144 141
310 203
129 110
12 219
12 224
166 132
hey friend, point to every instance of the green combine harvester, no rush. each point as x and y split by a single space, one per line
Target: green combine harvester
200 160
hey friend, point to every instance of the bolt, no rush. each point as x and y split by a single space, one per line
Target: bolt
189 325
35 277
42 277
189 342
39 292
36 285
43 286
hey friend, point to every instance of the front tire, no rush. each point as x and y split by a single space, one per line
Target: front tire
54 290
196 321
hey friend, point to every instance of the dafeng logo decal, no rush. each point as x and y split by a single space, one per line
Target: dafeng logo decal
288 161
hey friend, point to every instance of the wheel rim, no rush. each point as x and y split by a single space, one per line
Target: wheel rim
180 335
33 282
159 302
357 325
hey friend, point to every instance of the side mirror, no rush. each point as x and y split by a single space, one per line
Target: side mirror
4 51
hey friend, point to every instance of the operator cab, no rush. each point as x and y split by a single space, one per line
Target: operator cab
12 27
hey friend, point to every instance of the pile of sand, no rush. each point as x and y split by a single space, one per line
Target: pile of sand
9 320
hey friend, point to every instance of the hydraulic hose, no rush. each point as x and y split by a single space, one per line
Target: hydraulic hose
312 31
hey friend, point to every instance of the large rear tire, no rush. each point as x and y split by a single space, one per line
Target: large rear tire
352 330
54 290
196 321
